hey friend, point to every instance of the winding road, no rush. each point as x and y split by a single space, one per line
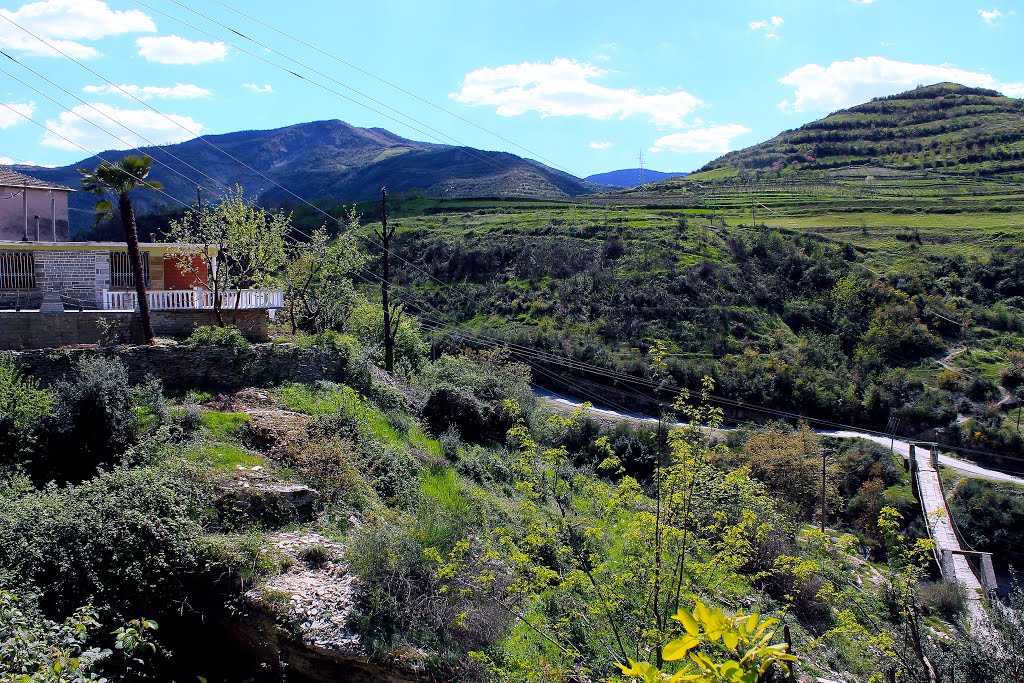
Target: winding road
969 469
940 525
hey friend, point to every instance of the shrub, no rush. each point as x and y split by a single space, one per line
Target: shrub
315 556
228 336
329 340
331 466
95 420
367 324
411 594
33 648
125 540
24 410
946 599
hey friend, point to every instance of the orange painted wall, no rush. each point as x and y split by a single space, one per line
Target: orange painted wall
175 279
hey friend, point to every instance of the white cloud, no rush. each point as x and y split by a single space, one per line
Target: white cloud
10 118
842 84
257 88
148 124
178 50
64 22
863 2
769 26
178 91
565 87
716 139
989 16
599 144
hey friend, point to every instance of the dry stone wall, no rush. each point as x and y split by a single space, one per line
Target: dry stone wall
211 367
34 330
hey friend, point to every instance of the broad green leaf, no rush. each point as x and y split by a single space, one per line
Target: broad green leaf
688 622
677 649
730 639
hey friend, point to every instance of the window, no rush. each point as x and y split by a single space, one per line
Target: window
17 270
121 270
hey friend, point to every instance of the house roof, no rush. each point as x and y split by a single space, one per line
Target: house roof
11 178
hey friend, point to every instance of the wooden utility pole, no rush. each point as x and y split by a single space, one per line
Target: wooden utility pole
822 489
392 314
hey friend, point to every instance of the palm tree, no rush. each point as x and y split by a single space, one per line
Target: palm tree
120 179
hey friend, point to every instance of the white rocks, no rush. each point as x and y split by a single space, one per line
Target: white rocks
321 593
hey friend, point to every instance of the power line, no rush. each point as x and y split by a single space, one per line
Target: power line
107 116
392 85
465 148
87 151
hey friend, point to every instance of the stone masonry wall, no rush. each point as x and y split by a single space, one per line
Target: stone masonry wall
79 276
35 330
213 368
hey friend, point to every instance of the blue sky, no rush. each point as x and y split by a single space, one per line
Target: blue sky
584 86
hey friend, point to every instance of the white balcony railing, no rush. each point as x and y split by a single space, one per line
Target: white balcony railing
185 299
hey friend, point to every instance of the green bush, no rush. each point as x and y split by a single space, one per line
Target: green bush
367 324
125 541
949 600
470 393
990 515
228 336
24 411
95 421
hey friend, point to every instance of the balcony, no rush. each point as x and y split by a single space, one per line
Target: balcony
195 299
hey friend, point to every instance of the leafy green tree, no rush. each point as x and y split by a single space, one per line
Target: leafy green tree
319 294
366 323
238 244
120 179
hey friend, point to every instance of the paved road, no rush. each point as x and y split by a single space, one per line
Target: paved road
929 486
902 447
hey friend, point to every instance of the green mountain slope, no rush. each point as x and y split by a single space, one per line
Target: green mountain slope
943 127
323 160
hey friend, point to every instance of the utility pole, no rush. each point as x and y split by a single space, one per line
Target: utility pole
822 489
392 314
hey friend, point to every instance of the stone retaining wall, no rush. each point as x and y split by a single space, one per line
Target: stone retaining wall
206 367
34 330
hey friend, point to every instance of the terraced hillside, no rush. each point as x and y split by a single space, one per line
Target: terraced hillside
943 127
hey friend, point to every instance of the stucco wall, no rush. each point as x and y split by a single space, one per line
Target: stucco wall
12 216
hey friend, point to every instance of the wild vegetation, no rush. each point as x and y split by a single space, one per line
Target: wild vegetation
460 528
516 544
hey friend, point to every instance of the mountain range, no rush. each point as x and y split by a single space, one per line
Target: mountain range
944 127
323 160
631 177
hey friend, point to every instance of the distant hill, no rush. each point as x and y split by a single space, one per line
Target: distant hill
325 160
630 177
944 127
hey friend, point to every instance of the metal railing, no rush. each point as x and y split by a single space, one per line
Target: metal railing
17 270
195 299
